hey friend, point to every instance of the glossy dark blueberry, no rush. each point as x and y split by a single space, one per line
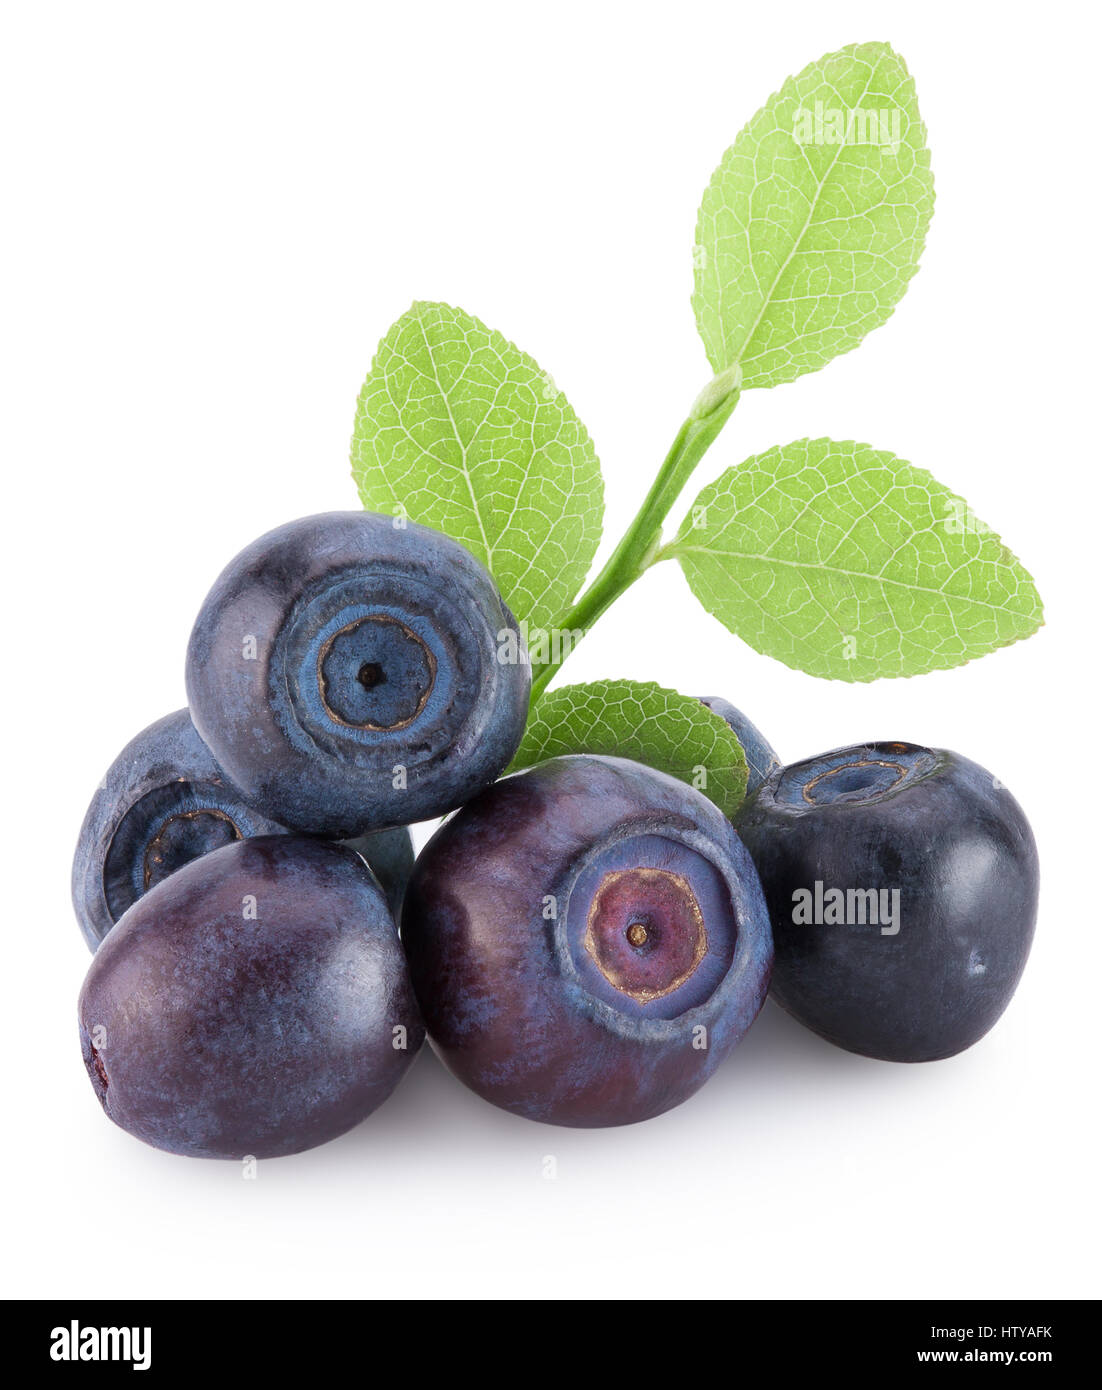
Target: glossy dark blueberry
902 885
351 674
588 941
165 802
254 1003
761 760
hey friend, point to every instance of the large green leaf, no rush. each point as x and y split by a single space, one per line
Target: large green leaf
633 719
812 225
847 562
464 432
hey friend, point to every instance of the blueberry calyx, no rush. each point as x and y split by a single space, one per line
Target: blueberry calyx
183 837
664 939
178 820
365 655
856 776
632 936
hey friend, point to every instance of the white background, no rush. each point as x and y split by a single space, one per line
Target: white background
213 213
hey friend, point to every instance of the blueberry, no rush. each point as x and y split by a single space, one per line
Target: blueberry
165 802
351 673
902 886
761 760
254 1003
588 941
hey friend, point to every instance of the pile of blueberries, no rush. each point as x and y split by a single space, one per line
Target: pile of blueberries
584 942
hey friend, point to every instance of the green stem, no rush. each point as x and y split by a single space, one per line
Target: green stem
641 544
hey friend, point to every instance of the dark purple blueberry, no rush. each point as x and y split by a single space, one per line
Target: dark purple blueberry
902 884
256 1003
165 802
352 673
588 941
761 760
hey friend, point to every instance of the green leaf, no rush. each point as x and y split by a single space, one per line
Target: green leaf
805 245
632 719
467 434
847 562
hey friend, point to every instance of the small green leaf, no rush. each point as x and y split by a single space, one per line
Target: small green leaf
467 434
849 563
632 719
815 219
